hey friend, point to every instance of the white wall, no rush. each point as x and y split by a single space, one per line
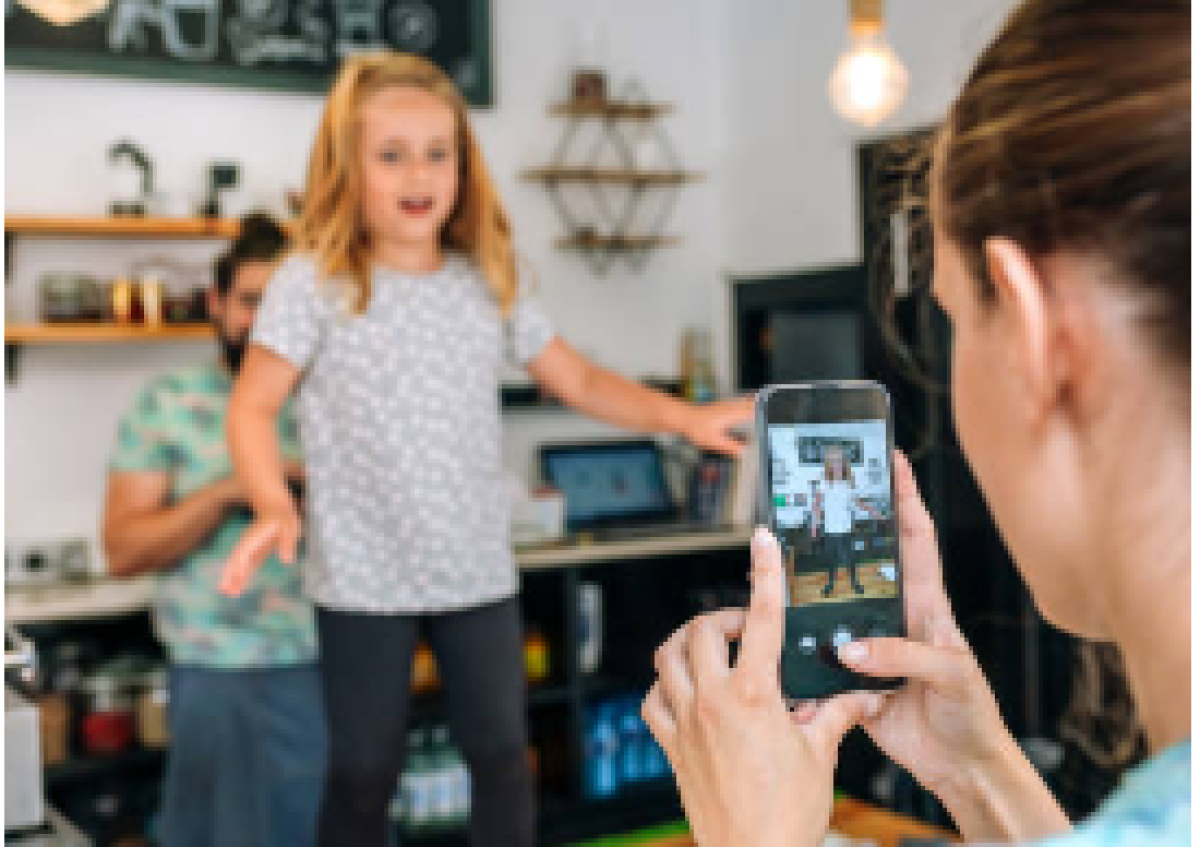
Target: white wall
748 79
792 190
62 411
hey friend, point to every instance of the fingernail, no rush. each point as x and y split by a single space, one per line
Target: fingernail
874 704
762 538
852 653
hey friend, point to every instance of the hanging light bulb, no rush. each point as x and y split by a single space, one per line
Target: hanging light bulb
64 12
868 83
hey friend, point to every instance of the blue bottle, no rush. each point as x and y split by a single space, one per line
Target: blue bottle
600 776
630 757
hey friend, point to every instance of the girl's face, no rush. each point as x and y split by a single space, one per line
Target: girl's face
409 165
837 464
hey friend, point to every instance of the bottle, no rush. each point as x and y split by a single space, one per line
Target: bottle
703 388
537 659
600 776
442 780
415 785
462 788
629 751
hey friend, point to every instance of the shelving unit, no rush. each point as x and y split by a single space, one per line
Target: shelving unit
99 333
602 233
118 227
613 175
632 574
17 336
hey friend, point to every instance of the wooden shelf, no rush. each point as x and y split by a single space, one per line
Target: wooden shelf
110 227
612 109
635 177
99 333
616 242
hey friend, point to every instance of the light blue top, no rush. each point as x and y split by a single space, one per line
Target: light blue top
1153 805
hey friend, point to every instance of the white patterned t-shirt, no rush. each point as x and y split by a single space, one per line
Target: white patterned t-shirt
398 408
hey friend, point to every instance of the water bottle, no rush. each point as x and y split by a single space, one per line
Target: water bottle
630 758
462 787
600 777
442 780
415 783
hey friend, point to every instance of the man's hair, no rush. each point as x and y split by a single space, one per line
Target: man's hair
261 239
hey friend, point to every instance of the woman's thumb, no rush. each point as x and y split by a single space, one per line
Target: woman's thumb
944 668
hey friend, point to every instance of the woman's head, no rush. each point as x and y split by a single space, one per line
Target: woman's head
395 161
836 466
1061 206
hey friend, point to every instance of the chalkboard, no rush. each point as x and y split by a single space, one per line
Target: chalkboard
274 44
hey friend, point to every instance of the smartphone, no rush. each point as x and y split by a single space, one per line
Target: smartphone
828 497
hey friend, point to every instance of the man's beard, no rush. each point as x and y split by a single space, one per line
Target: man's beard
233 350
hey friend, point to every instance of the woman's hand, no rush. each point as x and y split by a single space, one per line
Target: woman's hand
944 726
707 425
747 774
275 530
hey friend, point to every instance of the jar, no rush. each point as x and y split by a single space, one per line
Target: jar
151 290
107 724
59 298
126 301
152 727
54 722
537 657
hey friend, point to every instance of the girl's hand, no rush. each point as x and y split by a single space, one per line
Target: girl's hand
275 531
746 773
944 726
707 425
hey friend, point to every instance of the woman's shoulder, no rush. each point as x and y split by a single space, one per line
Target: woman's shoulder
1152 806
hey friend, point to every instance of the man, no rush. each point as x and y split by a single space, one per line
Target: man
247 758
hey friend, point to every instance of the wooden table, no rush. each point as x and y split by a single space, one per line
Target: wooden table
856 819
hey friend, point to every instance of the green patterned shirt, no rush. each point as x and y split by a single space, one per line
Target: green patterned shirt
177 425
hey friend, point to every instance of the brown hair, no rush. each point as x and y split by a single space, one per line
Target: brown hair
330 225
1073 132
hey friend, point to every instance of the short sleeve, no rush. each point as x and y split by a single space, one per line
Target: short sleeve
290 319
528 330
142 442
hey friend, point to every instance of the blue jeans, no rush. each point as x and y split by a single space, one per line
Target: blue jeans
246 766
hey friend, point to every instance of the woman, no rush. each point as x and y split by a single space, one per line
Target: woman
1060 203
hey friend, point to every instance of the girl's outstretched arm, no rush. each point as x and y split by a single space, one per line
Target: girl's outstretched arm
262 387
605 395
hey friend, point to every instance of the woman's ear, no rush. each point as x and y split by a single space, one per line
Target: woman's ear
1023 309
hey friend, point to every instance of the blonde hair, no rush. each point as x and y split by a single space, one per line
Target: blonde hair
330 226
845 464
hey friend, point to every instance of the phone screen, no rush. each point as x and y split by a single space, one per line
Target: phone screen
829 495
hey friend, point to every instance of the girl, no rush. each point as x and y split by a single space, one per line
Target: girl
834 504
391 322
1061 211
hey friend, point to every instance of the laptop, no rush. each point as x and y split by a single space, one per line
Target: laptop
614 489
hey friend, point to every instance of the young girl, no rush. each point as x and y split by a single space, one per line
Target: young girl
833 510
391 322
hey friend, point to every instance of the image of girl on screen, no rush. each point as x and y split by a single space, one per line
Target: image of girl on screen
834 505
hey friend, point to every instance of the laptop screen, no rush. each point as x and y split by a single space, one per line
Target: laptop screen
609 483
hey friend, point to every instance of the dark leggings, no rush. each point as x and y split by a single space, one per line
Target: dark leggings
840 549
366 664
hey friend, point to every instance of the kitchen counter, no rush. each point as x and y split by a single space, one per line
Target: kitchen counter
111 597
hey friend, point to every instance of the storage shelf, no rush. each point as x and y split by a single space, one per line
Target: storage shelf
614 109
126 227
100 333
616 242
618 175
